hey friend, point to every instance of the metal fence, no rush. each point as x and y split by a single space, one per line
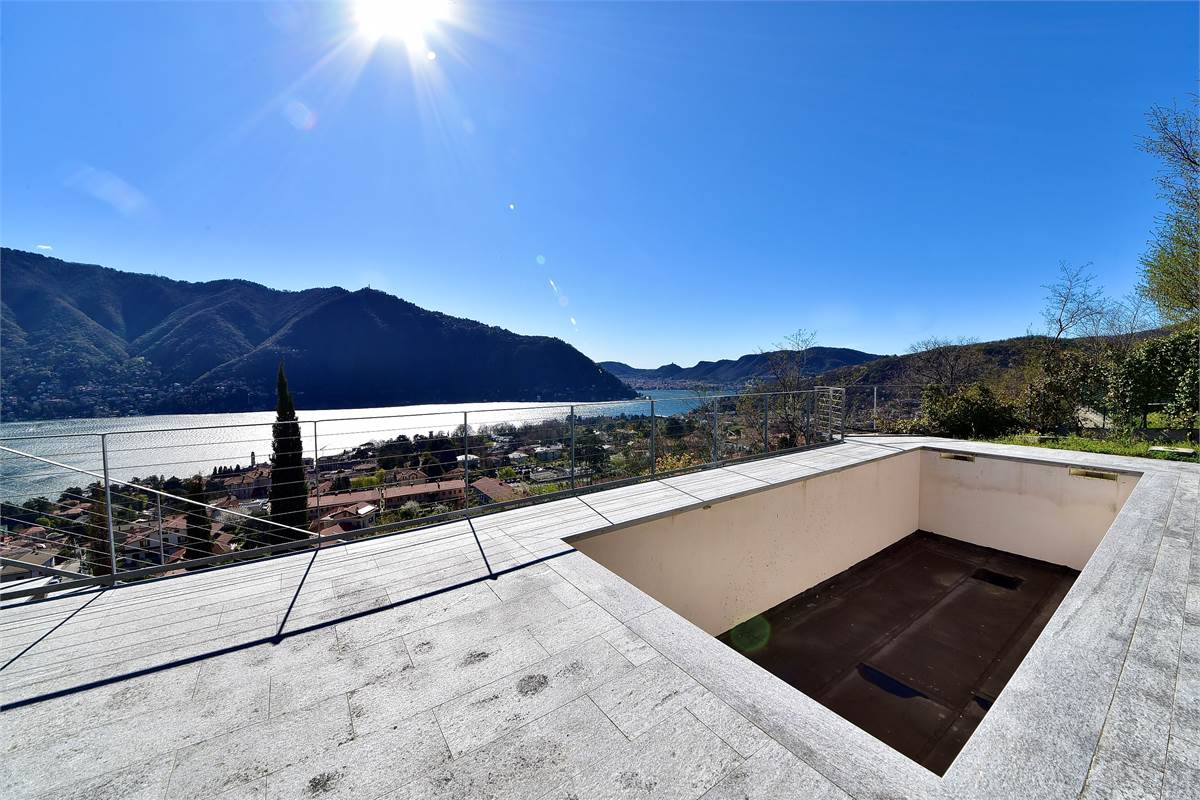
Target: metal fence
98 508
885 407
879 407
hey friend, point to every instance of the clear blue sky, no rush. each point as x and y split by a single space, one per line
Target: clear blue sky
696 180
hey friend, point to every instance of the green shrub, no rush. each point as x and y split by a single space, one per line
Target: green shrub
1163 370
1059 383
970 412
904 426
1117 446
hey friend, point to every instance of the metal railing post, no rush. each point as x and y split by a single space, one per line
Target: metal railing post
112 539
653 440
714 433
874 406
162 553
572 417
317 470
831 429
842 415
829 413
808 407
466 462
766 423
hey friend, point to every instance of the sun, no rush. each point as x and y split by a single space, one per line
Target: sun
407 20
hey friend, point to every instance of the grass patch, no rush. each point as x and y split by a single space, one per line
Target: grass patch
1112 447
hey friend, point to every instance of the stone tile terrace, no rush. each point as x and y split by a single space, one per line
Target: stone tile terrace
397 668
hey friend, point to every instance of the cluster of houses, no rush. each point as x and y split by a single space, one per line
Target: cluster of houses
31 553
474 480
345 493
155 537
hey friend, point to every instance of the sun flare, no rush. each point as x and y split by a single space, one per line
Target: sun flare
407 20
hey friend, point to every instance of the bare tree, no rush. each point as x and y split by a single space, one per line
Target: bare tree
1171 267
1073 303
788 362
1117 327
788 370
944 362
1175 139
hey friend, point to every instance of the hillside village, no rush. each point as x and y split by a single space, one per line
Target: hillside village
373 484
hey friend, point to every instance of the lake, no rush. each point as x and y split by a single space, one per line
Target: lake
185 444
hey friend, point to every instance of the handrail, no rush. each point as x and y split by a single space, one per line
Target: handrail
449 411
816 418
61 573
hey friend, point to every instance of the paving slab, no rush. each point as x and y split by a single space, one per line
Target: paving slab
430 642
737 731
679 759
1182 779
571 626
714 483
1132 751
431 683
145 781
545 752
630 645
614 594
774 773
647 696
488 712
367 765
251 753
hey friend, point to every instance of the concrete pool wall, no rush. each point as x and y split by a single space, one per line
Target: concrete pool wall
1049 512
721 564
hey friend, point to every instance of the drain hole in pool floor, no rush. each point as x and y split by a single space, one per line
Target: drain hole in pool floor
996 579
914 644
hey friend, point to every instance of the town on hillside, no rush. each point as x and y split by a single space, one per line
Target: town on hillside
390 483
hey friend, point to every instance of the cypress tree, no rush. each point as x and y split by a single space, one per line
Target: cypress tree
199 527
93 541
289 487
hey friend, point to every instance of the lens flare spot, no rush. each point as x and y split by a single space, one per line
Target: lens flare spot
299 116
751 635
541 260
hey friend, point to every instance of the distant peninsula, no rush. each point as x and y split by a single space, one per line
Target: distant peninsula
81 340
738 372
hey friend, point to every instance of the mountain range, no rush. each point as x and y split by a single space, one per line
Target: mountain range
731 372
79 340
86 340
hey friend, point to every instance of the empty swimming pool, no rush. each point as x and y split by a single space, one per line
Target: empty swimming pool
914 644
901 593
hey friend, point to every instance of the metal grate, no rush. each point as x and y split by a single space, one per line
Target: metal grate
830 412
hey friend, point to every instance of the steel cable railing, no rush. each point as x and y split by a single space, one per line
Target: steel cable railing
204 494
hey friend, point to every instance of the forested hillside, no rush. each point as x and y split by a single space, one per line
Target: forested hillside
85 340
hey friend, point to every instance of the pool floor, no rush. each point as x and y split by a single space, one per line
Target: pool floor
915 643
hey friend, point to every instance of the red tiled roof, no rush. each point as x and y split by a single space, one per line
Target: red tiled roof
393 492
222 544
345 498
494 490
372 496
